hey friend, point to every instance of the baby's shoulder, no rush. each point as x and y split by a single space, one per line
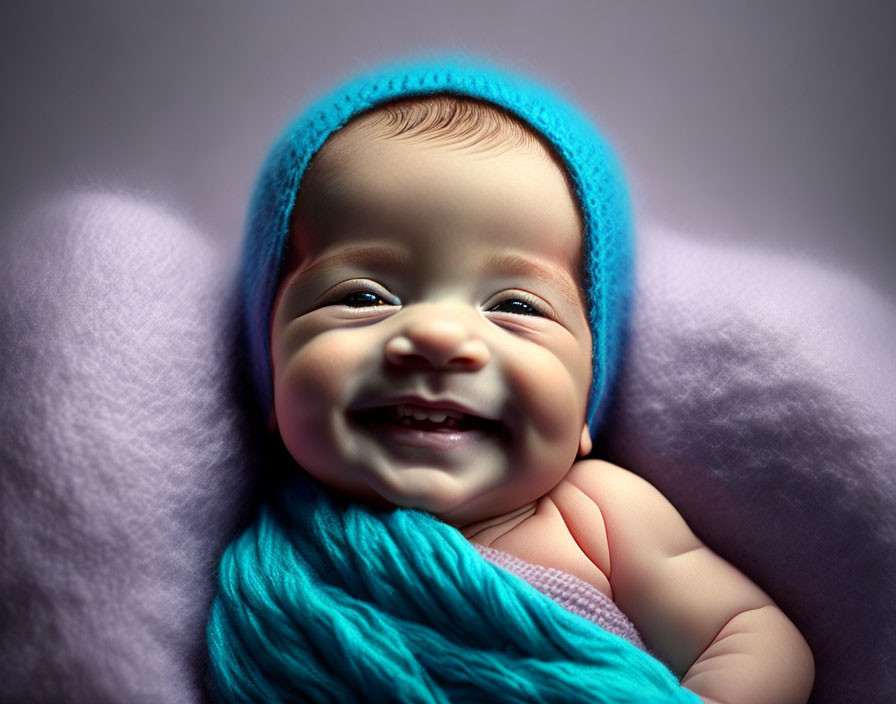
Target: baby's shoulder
606 483
634 512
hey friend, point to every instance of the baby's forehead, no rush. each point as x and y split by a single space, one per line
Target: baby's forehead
395 181
376 173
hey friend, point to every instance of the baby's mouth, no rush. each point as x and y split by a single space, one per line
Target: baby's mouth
406 415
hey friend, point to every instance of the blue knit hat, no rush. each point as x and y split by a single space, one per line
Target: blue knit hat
592 168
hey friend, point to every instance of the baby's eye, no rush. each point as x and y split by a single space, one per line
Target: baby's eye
516 306
362 299
358 294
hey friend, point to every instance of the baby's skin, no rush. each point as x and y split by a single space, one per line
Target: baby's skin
431 349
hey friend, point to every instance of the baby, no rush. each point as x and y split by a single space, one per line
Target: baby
444 322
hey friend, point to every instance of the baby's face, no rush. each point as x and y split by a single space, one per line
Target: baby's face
431 348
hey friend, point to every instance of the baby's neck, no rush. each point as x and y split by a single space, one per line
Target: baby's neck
488 530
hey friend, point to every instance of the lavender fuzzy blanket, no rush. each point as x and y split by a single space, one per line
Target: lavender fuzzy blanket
757 395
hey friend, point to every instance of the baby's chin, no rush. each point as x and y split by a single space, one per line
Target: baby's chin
458 499
447 497
435 492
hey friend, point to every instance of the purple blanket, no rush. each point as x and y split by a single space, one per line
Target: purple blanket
757 395
123 449
573 594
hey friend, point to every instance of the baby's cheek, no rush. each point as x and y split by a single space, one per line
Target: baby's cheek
314 380
322 371
548 393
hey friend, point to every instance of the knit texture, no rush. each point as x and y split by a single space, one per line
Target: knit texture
593 170
570 592
323 600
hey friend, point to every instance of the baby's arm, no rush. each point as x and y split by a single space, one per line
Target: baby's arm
699 614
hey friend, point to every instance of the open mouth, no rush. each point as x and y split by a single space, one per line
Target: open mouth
435 420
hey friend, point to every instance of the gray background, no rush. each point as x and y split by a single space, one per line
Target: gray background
766 123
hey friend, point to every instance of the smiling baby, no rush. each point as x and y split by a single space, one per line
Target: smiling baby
435 334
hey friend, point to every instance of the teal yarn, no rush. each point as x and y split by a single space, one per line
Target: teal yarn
325 601
589 160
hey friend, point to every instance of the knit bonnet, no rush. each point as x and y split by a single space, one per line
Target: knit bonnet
593 171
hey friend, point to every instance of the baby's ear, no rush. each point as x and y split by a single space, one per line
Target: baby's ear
585 441
272 426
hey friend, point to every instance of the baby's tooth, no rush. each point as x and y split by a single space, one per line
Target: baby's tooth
405 412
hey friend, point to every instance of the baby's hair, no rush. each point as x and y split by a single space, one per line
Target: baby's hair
452 119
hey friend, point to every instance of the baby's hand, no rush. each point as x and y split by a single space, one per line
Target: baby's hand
712 625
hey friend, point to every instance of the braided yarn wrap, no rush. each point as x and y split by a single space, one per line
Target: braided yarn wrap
325 601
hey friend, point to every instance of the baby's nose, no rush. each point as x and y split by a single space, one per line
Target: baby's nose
432 338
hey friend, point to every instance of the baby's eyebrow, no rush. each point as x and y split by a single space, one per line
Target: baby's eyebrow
531 266
370 255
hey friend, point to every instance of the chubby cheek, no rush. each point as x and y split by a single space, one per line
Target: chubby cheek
551 387
555 398
314 376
